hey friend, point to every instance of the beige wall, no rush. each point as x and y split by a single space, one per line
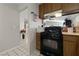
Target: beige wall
9 27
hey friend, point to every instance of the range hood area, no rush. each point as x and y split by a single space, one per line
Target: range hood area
57 13
53 20
50 19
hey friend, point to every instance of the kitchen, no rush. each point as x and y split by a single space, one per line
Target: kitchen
63 15
39 29
50 29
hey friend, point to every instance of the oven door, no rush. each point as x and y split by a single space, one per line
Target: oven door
50 45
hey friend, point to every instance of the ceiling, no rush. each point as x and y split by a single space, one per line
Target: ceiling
18 6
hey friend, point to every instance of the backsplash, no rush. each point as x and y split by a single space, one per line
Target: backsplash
48 23
58 21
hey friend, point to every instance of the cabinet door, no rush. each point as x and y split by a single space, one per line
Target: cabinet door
41 11
69 6
56 6
47 8
69 46
50 7
78 46
38 43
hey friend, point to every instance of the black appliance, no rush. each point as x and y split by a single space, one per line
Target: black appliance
52 42
68 22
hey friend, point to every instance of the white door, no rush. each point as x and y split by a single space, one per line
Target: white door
25 42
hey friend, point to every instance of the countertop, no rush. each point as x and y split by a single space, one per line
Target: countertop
70 33
64 33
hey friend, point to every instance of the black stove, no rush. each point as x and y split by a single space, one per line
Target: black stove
52 42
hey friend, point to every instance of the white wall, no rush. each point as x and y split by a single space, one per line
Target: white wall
32 34
9 27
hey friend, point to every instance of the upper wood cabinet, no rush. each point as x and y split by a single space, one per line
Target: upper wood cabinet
69 6
41 10
48 7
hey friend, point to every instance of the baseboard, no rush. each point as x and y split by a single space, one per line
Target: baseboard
9 49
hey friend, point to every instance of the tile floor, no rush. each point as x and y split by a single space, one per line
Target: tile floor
19 51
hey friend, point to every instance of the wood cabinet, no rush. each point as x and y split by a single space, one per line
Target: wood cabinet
69 6
38 41
47 8
50 7
70 44
41 11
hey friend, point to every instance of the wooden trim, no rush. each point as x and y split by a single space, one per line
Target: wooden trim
71 12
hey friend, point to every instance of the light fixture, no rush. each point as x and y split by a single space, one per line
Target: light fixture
58 14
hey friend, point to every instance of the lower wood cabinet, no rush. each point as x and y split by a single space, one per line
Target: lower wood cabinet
70 44
38 43
69 48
